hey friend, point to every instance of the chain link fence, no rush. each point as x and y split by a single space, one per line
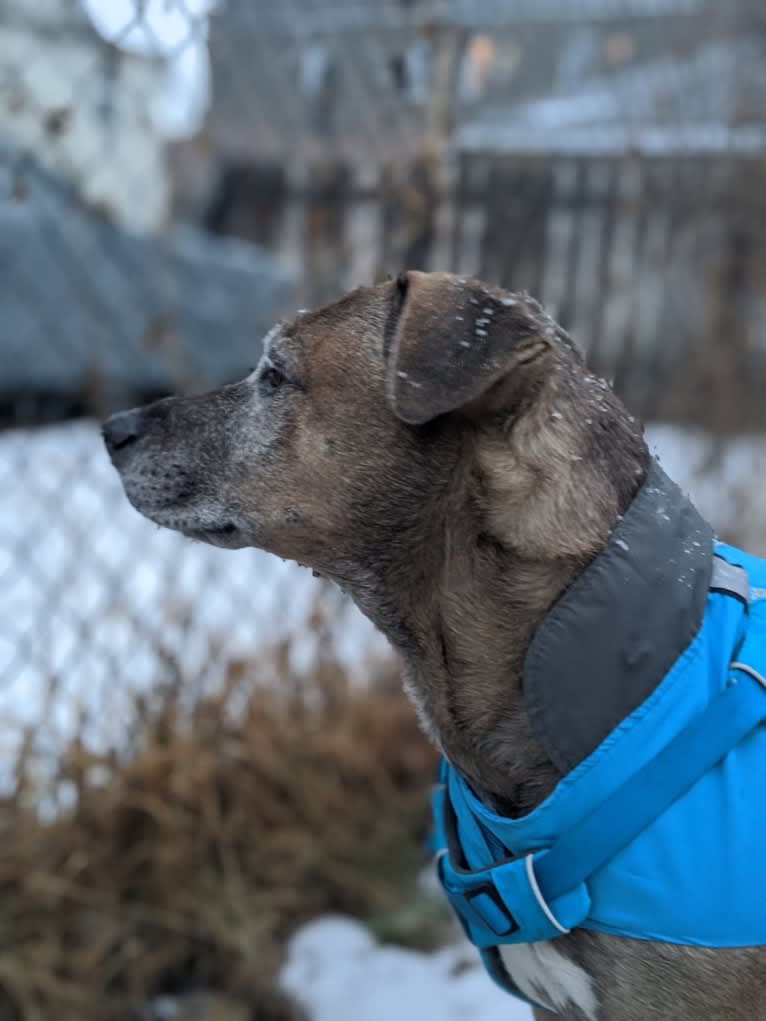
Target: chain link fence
177 174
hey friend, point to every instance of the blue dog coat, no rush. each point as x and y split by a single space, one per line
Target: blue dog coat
645 685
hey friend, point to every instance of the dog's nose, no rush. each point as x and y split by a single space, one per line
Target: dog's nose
122 429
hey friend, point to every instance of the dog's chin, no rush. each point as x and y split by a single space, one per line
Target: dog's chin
222 532
226 536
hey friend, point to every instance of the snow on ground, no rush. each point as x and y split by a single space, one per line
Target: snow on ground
724 478
339 973
96 602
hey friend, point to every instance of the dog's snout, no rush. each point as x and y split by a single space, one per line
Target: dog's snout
122 429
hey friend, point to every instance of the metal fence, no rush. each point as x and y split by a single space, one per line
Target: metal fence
175 175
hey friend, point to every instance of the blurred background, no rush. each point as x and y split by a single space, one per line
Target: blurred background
212 793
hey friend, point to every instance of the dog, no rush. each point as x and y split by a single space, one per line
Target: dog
439 449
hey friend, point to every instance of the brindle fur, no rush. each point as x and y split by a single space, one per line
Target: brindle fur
439 449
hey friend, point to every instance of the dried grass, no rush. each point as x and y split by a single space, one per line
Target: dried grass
187 860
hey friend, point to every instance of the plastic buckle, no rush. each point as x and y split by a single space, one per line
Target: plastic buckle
490 915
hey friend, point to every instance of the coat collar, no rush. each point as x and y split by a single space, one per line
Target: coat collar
612 636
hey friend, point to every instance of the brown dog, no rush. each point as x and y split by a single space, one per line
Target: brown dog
439 449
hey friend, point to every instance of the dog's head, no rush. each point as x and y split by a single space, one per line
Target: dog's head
435 446
370 417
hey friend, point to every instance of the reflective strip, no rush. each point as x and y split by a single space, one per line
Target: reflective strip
749 670
529 865
729 578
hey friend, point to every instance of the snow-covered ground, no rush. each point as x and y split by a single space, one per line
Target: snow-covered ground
338 972
722 477
95 601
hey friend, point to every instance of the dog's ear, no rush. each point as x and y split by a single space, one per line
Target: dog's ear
455 344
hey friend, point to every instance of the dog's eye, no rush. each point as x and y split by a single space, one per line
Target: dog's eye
271 378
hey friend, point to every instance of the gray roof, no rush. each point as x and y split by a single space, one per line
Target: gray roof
83 300
311 18
712 102
287 78
500 13
306 79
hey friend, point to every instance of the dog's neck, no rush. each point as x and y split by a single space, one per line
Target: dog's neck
465 673
463 657
508 546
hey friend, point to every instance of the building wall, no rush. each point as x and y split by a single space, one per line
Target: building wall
83 110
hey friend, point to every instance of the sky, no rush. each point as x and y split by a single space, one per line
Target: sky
176 32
